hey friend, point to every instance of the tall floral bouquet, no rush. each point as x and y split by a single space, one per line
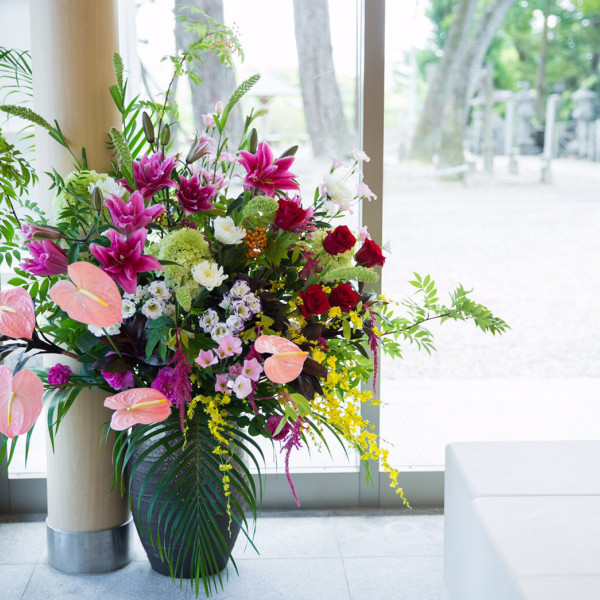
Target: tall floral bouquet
211 302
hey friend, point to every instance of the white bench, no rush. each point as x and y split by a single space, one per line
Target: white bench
522 520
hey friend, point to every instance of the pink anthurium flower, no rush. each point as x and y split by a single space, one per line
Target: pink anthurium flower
20 401
139 405
287 360
93 297
17 315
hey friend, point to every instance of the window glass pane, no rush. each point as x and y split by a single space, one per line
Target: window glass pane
529 250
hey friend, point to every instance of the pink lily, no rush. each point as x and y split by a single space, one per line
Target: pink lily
267 174
152 174
46 259
132 215
123 260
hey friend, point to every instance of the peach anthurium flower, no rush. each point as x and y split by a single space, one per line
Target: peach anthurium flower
287 360
93 297
20 401
138 405
17 315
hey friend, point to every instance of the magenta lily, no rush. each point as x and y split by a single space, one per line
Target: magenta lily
132 215
152 173
193 196
46 259
123 259
267 174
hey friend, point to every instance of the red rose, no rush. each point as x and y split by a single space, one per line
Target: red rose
291 216
343 296
339 240
315 301
370 255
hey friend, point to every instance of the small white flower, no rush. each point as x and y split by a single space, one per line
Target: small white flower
219 331
253 303
240 288
160 290
235 324
139 294
226 231
219 108
360 155
208 320
153 308
338 190
208 274
99 332
242 310
226 302
294 325
128 308
169 309
331 208
242 386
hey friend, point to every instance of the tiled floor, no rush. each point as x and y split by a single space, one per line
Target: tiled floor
332 555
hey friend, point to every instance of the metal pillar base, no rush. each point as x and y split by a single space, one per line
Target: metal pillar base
79 552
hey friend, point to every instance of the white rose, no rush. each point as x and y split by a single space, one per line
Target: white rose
208 274
226 231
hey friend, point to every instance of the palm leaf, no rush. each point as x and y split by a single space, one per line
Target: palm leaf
180 486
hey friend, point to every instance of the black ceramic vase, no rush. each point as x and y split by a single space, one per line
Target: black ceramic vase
150 530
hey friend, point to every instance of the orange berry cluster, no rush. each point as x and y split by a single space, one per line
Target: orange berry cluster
255 241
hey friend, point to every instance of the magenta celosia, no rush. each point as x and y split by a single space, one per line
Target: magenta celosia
193 196
182 385
46 259
123 259
59 375
273 423
152 173
132 215
267 174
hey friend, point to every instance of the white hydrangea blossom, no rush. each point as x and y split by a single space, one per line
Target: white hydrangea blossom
227 232
208 274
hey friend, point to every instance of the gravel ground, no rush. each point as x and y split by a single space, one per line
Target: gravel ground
529 250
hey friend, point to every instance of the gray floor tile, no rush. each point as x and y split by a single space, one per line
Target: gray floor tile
26 542
14 579
394 578
137 580
290 537
405 534
287 579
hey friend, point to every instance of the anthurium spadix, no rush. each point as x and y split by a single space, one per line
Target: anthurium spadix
20 401
92 298
17 315
138 405
286 361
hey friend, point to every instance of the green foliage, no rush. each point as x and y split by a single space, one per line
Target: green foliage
237 95
27 114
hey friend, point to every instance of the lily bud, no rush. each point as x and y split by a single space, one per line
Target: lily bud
165 135
219 108
290 152
148 127
31 231
253 141
97 199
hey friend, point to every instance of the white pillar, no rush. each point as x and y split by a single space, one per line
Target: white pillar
549 134
73 41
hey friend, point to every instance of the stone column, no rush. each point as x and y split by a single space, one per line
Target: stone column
89 528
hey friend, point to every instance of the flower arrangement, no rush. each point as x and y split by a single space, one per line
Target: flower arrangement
210 301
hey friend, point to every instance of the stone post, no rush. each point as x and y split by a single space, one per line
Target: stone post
549 134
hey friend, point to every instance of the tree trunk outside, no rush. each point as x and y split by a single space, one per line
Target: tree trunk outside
464 84
218 81
323 109
427 133
540 76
